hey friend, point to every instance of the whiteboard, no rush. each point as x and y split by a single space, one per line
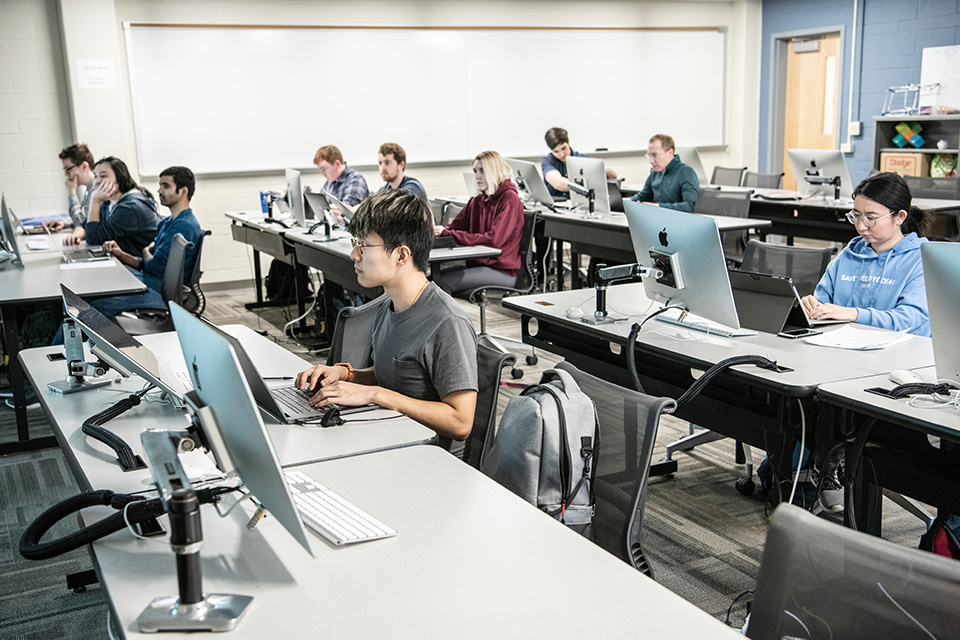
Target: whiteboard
222 99
941 64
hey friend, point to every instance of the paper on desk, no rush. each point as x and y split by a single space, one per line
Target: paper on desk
92 264
859 338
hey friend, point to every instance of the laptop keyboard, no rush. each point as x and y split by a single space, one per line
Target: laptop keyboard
295 401
74 255
330 515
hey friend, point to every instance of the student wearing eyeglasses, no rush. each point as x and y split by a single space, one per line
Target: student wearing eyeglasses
877 279
78 165
424 346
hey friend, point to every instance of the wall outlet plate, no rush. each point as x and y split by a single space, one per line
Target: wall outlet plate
846 147
854 128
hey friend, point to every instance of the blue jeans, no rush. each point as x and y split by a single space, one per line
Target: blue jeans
113 306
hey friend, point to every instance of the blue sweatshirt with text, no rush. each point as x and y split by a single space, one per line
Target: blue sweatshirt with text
887 289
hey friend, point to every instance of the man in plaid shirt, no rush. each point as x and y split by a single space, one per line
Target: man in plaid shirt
345 184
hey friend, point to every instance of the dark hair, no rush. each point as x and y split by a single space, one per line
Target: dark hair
77 154
400 218
395 150
556 136
891 191
125 181
182 177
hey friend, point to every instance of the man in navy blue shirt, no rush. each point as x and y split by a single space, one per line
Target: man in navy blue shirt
392 160
554 164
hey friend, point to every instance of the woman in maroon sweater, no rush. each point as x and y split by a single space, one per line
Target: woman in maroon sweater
493 218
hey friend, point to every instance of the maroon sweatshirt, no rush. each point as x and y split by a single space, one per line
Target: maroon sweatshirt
492 221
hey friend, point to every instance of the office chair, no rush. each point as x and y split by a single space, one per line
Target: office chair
616 197
820 580
436 208
763 180
734 204
727 176
490 365
194 301
628 429
450 212
142 321
944 224
353 334
526 283
804 265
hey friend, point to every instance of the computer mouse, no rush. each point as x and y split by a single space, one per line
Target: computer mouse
574 313
331 418
903 376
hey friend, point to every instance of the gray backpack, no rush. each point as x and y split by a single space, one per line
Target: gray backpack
546 448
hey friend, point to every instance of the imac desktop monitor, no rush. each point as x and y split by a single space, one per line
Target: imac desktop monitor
118 348
820 163
589 174
528 181
941 274
220 385
691 157
688 246
8 232
294 198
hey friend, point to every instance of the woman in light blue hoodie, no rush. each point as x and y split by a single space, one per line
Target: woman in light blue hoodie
877 279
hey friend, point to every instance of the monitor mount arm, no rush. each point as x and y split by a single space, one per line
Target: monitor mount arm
191 610
78 370
608 275
589 194
834 180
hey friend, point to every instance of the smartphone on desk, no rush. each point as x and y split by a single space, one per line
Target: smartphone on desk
793 334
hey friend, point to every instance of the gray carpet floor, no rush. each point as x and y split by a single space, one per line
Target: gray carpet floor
703 538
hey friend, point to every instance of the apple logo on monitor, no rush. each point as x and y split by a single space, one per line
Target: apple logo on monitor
663 237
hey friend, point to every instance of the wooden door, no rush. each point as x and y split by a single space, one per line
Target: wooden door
812 97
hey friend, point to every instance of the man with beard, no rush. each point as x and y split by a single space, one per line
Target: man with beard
393 164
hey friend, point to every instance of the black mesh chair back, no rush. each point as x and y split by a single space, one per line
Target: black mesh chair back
490 365
353 334
727 176
616 197
144 321
763 180
940 188
628 429
821 580
194 301
735 204
804 265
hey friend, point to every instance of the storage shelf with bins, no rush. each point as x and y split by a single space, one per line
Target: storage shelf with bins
935 128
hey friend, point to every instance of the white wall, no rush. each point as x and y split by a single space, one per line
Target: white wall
29 169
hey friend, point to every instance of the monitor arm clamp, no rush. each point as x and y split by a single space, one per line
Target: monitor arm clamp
191 610
589 194
834 180
78 370
609 275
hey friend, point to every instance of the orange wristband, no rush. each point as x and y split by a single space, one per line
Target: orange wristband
349 368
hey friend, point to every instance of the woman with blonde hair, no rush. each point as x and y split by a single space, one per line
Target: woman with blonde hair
493 218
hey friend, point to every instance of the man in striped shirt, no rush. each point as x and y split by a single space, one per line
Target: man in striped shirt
345 184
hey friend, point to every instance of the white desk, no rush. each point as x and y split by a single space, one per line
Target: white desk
471 560
94 464
38 280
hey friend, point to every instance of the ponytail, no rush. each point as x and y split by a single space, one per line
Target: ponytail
917 221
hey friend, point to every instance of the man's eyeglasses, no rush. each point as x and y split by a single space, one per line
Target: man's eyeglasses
868 222
362 244
67 170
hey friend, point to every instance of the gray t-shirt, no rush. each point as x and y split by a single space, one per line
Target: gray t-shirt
426 352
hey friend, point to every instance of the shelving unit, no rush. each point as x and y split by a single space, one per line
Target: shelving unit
934 128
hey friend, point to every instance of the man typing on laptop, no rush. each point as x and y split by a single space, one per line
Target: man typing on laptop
424 345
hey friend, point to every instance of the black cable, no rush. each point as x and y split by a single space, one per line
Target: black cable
852 470
140 509
631 344
92 427
716 369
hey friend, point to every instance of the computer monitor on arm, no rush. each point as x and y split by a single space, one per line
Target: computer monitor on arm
585 175
941 275
9 249
294 197
529 183
686 247
821 172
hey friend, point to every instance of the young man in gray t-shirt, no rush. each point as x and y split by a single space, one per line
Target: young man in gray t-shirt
424 345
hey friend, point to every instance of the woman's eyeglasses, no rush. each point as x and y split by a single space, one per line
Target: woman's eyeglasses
868 222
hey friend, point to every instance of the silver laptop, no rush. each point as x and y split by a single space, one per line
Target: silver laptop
346 211
529 183
8 232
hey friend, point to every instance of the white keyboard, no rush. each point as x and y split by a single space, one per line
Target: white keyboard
38 244
702 324
327 513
